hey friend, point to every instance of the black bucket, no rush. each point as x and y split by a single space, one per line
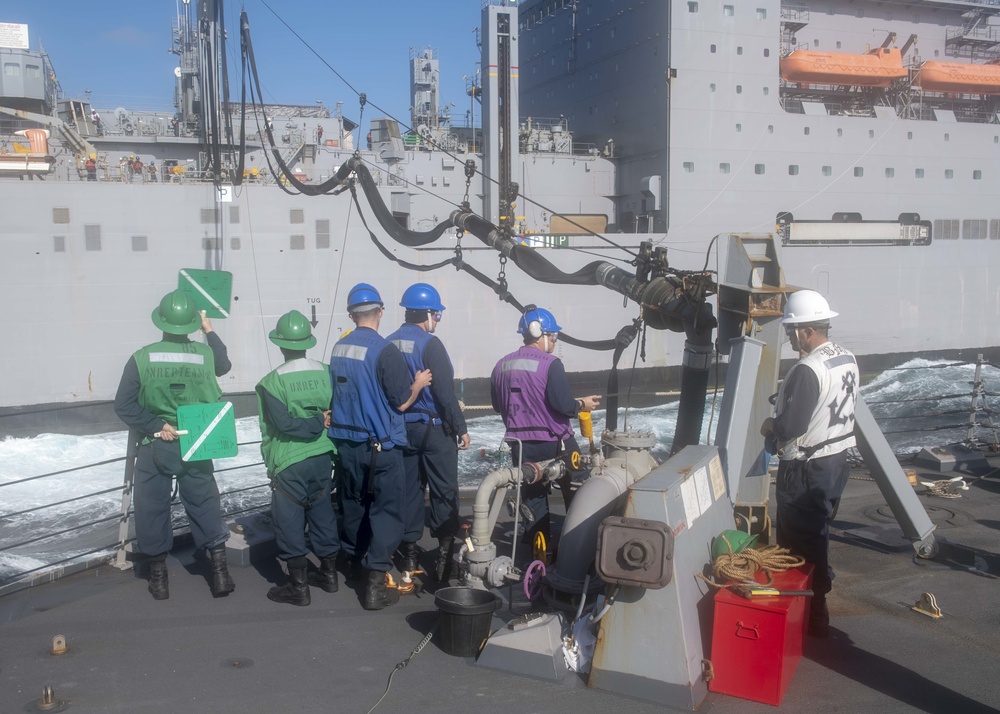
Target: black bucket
466 614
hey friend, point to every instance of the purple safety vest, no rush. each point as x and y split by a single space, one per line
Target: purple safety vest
519 381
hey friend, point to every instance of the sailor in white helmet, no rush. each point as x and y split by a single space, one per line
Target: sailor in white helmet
811 433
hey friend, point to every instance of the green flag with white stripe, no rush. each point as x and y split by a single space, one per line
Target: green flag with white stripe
211 290
207 431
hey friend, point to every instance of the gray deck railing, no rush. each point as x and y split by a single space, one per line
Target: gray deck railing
95 540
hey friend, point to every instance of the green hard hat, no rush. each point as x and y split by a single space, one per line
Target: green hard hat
292 332
732 541
176 314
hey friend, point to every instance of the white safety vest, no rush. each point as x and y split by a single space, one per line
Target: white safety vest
831 426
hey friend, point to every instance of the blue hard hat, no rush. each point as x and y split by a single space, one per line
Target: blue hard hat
421 296
536 321
363 294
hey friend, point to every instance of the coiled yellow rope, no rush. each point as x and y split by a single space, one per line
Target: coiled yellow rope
743 566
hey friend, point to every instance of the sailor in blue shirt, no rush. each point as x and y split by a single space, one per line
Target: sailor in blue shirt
432 424
371 390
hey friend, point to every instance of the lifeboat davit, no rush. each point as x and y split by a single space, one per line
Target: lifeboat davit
878 68
959 77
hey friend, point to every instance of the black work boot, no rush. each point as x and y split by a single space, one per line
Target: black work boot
351 566
442 569
222 584
296 590
158 586
409 552
377 595
819 618
326 577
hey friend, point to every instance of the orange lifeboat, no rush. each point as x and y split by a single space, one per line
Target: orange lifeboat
959 77
878 68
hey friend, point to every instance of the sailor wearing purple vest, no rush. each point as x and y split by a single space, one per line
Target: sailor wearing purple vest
530 390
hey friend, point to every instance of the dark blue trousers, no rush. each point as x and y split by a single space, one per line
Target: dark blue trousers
372 501
301 495
537 494
808 494
430 460
155 465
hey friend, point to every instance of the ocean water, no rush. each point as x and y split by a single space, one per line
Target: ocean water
44 520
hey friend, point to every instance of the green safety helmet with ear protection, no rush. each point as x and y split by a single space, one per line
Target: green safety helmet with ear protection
732 541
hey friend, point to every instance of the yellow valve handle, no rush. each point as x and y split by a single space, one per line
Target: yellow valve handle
540 548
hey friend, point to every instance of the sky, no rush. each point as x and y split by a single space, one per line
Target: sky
120 51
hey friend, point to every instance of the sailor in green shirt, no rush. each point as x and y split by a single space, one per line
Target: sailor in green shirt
157 380
294 402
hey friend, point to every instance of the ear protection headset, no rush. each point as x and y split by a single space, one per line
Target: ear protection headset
534 326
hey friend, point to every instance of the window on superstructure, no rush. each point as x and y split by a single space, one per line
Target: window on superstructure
739 128
234 214
297 242
59 244
588 43
890 172
996 139
767 52
871 133
840 132
739 50
793 169
918 173
829 10
234 243
323 233
689 167
859 13
937 53
296 215
916 18
838 44
60 215
949 173
10 69
816 43
762 13
977 175
711 87
805 130
92 237
995 229
827 171
728 10
614 32
32 71
139 244
723 168
974 229
692 7
739 89
947 137
887 15
859 171
909 136
758 169
946 229
711 48
766 91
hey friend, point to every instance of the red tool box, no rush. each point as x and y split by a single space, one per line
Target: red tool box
757 643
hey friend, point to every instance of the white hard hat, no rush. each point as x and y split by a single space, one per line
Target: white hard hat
805 307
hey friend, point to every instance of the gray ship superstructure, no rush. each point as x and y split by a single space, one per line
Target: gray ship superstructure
682 128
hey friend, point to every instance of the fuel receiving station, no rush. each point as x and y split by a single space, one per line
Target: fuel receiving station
628 603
